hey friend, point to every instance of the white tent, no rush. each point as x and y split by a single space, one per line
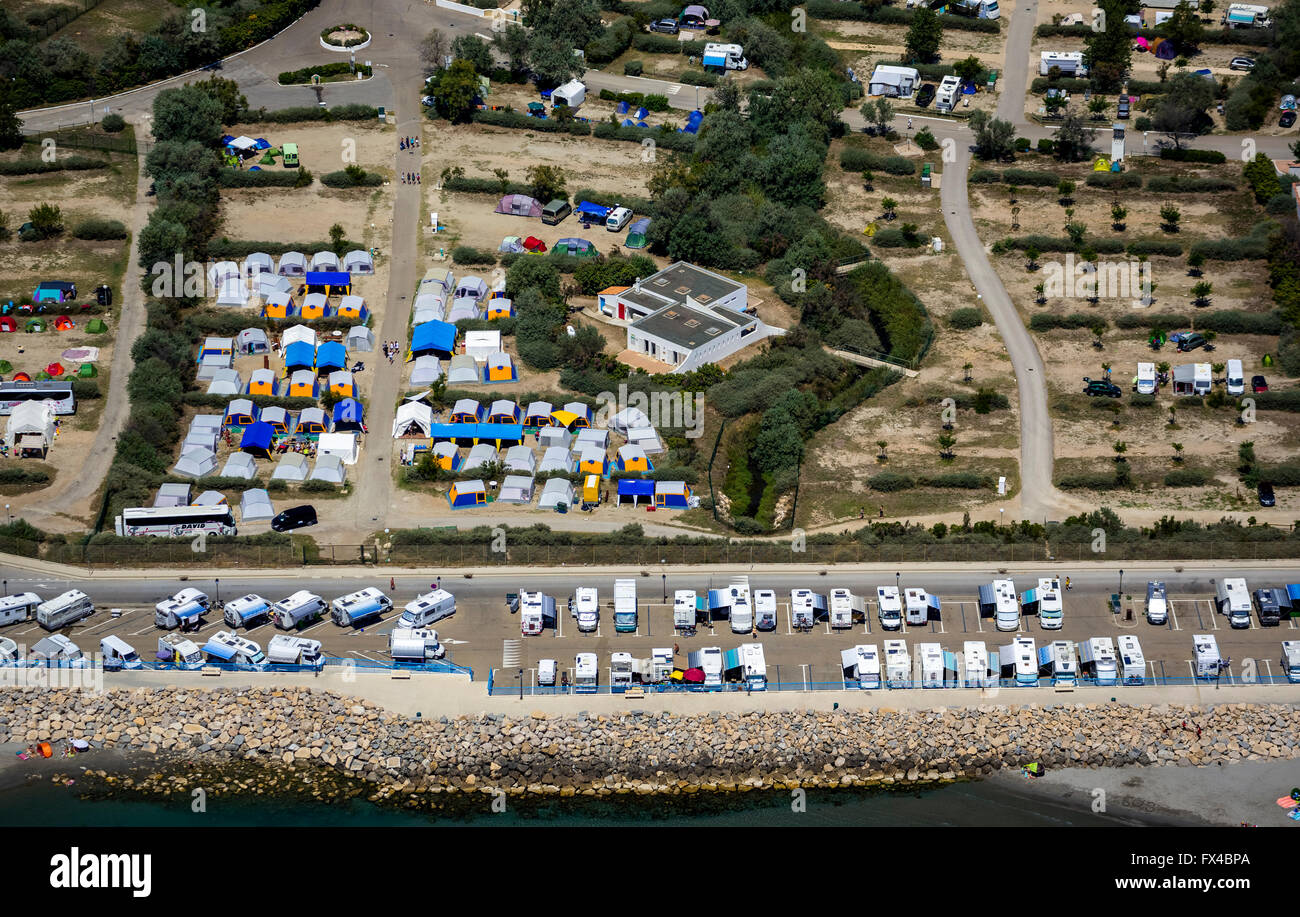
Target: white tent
344 446
292 264
266 284
329 468
200 439
324 261
172 494
31 419
255 506
462 309
264 377
426 370
627 419
212 362
213 422
556 458
471 287
548 437
342 379
436 277
298 333
359 262
222 271
434 300
259 261
292 467
646 438
462 370
481 344
482 454
556 490
516 488
425 315
414 418
360 339
196 463
590 436
240 465
232 292
210 498
520 458
252 341
352 302
280 298
225 382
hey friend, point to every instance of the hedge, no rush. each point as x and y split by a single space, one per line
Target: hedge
1041 84
1236 321
1154 247
699 78
889 481
1188 477
935 72
859 160
1250 248
1113 180
97 229
665 139
984 177
1213 157
467 254
890 238
965 480
291 77
520 121
204 400
1046 321
35 166
1208 37
485 186
341 179
1184 184
1053 244
1285 474
966 318
1278 401
312 113
1139 400
1030 177
1152 320
1089 481
291 178
19 475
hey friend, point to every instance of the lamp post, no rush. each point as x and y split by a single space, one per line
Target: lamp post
1121 585
218 582
8 515
521 684
898 581
665 576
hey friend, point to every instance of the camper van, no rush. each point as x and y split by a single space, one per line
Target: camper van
861 664
536 611
285 649
1097 655
1044 600
414 644
586 674
1268 605
976 672
14 609
998 600
1145 382
725 57
889 607
298 610
1233 600
746 664
65 609
429 608
742 609
179 651
617 219
1157 610
1020 660
361 607
58 652
919 604
118 654
806 608
1057 662
554 213
180 610
1192 379
624 606
1205 649
1246 16
685 610
1133 665
1235 380
898 664
844 605
585 606
620 671
709 661
227 646
246 611
975 9
290 151
546 669
1070 63
765 609
949 91
1291 659
931 655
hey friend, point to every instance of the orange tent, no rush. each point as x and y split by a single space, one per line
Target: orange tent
22 377
45 750
64 323
55 369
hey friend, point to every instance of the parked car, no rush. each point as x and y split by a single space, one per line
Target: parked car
667 26
1096 387
295 517
1258 384
1121 108
1241 63
1192 341
1287 119
1266 497
925 95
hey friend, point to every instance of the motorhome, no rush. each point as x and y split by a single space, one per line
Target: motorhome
617 219
806 608
975 9
1068 63
920 605
298 610
709 661
861 664
1044 600
1232 599
14 609
1157 610
1235 379
57 651
975 668
285 649
1019 660
1193 379
624 606
765 609
546 669
1205 649
414 644
586 674
742 608
725 57
228 647
65 609
1057 662
118 654
585 607
1133 665
1145 382
1291 659
536 611
656 669
246 611
685 610
998 601
945 99
1246 16
620 671
184 609
845 607
428 609
931 657
889 607
179 651
753 666
1268 605
1097 656
360 607
898 664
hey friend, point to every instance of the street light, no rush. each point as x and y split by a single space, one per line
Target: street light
218 581
1121 585
521 684
9 515
665 576
898 581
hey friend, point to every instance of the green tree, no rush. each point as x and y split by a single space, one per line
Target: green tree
1169 217
338 240
1178 452
1031 258
1201 293
1182 108
779 442
11 133
1118 213
946 443
878 113
553 62
475 50
1065 192
924 36
968 69
1073 139
433 51
1195 261
46 220
793 169
1097 329
187 114
1109 50
995 139
547 183
512 41
160 241
1120 448
1184 28
227 94
889 205
454 90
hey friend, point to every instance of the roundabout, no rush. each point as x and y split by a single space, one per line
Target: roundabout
345 38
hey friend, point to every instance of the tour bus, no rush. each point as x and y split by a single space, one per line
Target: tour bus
19 607
427 609
765 609
1133 663
298 610
118 654
1097 655
65 609
183 608
586 674
898 664
360 607
247 611
58 394
1157 610
176 521
931 655
861 664
889 607
976 658
1291 659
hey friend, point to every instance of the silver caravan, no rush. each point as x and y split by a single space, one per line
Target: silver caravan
1019 660
709 661
228 647
1057 662
1291 659
1157 610
765 609
1206 650
298 610
685 610
1097 655
742 609
285 649
180 610
806 608
118 654
65 609
57 651
861 664
1133 665
976 672
407 644
1232 599
179 651
360 607
246 611
620 671
889 607
586 674
429 608
931 656
536 611
14 609
898 664
845 609
919 604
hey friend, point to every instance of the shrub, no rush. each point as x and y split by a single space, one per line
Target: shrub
304 75
1091 481
34 166
1030 177
1152 320
1155 247
1139 400
351 178
656 44
964 480
467 254
98 229
633 68
984 177
291 178
699 78
1250 248
1188 155
966 318
890 238
317 487
26 476
313 113
1046 146
1185 184
1285 474
859 160
1113 180
1288 400
113 123
890 481
1237 321
1188 477
1046 321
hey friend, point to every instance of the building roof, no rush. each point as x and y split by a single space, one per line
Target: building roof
675 283
687 327
610 291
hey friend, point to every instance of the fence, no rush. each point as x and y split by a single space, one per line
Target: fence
60 15
87 140
442 667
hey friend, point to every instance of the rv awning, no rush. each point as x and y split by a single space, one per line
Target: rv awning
1293 592
987 595
189 611
220 650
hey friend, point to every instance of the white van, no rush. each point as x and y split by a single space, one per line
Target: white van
1157 603
183 608
546 673
118 654
246 611
618 218
1134 663
298 610
889 607
1232 598
586 608
898 664
765 609
586 673
179 651
14 609
360 607
65 609
288 650
414 644
1206 650
1235 379
427 609
227 646
1145 381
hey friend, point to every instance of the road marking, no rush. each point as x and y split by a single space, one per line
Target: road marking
1173 617
674 89
1268 669
510 651
137 633
961 606
1214 614
1192 669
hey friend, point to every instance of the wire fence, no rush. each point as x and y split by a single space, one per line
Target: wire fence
72 138
443 667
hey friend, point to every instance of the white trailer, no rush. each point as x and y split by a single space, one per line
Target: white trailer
118 654
919 605
845 606
65 609
625 620
725 57
298 610
179 651
228 647
975 669
1057 662
889 607
1205 649
285 649
806 608
1097 656
709 661
586 608
1232 598
1019 660
1133 665
765 609
1246 16
657 669
861 664
14 609
898 664
184 609
586 674
945 99
1157 609
427 609
246 611
360 607
1291 659
536 611
685 610
1044 600
620 671
57 651
414 644
1070 63
931 658
742 609
1145 382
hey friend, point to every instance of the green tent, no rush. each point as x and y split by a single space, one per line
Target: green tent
87 371
41 376
34 324
6 366
96 326
636 233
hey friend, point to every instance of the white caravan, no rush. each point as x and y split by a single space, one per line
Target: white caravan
586 674
742 610
414 644
586 608
285 649
898 664
1145 383
180 610
889 607
65 609
1020 660
1006 612
246 611
1133 663
118 654
1044 600
1097 654
1233 600
536 611
57 651
861 663
14 609
179 651
685 610
843 605
620 671
1157 603
976 672
765 609
919 603
1058 663
227 646
1206 650
806 607
931 655
625 621
708 660
1291 659
360 607
298 610
427 609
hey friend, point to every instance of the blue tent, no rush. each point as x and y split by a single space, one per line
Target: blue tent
622 108
436 339
349 416
634 489
642 124
299 355
338 281
628 122
641 114
257 439
596 211
330 356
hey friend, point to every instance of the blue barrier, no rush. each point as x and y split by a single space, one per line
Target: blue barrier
438 666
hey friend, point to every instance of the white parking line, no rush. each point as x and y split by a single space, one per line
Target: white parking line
1173 616
137 633
1191 668
1214 614
1268 669
674 89
314 626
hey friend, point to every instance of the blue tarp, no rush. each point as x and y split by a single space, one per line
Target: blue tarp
332 354
441 432
349 410
328 278
221 651
595 210
257 436
435 337
1293 592
635 487
299 355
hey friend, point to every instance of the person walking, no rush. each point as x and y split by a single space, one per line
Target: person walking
392 584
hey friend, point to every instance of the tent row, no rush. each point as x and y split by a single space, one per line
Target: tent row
573 416
291 264
281 306
330 466
347 416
